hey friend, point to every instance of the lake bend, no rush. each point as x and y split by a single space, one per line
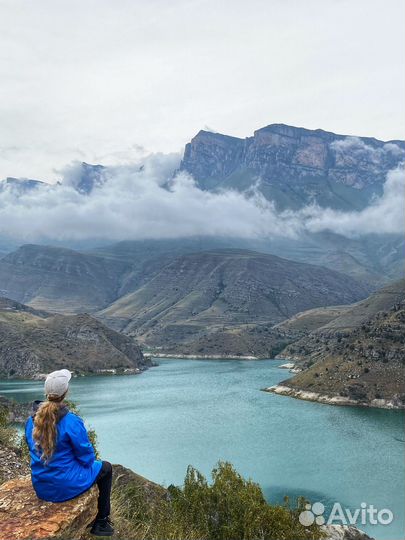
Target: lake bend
200 411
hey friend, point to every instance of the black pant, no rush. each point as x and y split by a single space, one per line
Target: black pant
104 481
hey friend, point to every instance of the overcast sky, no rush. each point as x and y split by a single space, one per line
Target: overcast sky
109 80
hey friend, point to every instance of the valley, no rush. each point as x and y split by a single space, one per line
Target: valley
305 298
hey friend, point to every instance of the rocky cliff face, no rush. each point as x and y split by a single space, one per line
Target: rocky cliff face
294 166
25 517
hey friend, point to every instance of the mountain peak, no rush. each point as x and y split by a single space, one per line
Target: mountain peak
21 185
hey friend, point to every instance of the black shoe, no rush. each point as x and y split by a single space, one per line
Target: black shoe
102 527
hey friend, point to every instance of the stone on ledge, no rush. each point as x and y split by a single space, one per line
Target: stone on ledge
23 516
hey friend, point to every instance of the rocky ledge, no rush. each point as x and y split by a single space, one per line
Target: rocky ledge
23 516
334 400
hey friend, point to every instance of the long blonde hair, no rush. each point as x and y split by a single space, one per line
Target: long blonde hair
45 420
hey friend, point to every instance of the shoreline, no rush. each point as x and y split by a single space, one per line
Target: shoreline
109 372
202 356
305 395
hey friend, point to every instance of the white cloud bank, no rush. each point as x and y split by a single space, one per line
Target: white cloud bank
140 202
384 216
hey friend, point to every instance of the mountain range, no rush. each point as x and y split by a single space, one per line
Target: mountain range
293 168
211 295
218 301
198 293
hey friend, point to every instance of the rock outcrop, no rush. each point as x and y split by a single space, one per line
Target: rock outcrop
25 517
151 492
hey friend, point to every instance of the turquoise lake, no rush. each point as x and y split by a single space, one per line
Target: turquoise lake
201 411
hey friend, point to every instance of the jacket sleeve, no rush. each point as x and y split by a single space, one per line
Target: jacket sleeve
82 447
27 428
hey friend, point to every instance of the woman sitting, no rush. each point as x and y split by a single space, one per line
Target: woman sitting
63 463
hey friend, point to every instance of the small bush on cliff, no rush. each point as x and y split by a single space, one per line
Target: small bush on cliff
230 508
8 435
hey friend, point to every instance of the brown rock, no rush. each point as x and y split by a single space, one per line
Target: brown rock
25 517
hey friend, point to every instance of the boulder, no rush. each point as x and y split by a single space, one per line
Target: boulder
25 517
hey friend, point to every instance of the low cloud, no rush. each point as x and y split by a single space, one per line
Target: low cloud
358 149
144 201
385 215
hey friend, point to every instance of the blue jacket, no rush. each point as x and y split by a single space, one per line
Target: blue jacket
72 469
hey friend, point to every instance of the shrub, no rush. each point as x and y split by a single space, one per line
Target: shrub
8 435
230 508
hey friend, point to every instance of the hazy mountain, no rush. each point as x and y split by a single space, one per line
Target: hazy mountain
201 292
86 177
59 279
294 166
33 342
20 185
375 260
83 178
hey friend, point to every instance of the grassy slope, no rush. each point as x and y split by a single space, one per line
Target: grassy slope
202 293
